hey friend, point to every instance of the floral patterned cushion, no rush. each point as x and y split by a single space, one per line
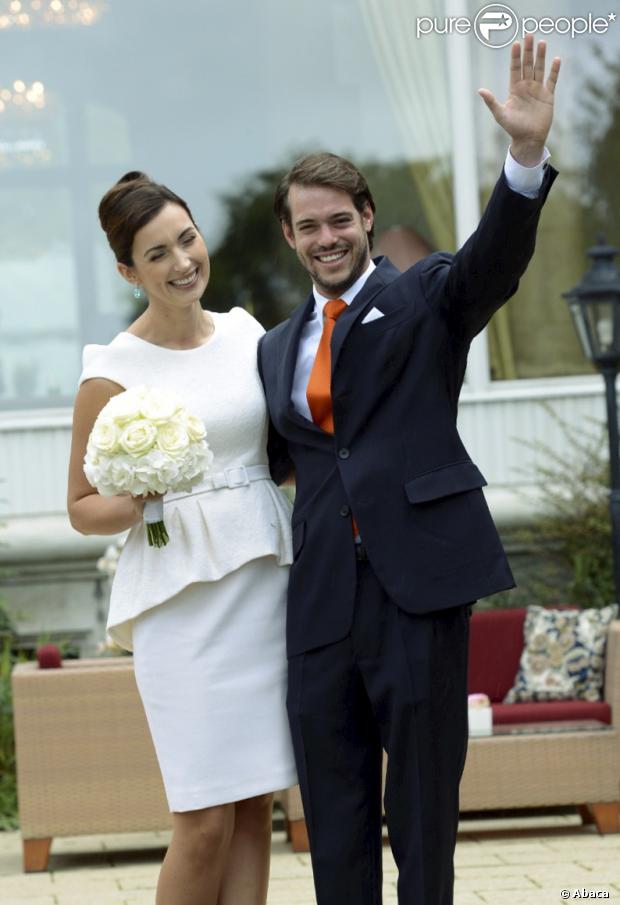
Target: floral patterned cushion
563 655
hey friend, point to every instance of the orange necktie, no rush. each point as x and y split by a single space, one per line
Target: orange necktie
319 391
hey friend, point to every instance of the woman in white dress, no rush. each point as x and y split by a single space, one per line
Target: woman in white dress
205 614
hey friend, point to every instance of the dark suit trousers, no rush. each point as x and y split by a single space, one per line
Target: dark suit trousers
397 682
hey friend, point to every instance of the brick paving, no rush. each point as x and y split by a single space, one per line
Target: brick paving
516 861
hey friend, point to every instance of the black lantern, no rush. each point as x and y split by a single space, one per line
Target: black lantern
595 307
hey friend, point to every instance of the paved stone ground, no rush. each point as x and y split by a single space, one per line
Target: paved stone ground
517 861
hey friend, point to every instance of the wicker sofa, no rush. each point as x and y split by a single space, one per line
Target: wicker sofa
580 767
85 760
86 763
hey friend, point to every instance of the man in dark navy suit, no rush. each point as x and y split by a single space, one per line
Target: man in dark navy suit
392 538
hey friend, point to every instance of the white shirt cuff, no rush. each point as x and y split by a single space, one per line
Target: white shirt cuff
525 180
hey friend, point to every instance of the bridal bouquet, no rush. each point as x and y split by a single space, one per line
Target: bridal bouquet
144 441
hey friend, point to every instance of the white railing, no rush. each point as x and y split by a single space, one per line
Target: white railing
34 446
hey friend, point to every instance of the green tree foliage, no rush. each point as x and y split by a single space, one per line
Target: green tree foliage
601 131
253 267
8 787
573 526
584 202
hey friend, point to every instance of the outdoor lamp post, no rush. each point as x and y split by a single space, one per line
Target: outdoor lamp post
595 306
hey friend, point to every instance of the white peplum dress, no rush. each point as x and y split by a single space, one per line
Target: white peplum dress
205 615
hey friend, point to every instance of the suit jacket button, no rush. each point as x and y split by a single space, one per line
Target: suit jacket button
345 511
343 453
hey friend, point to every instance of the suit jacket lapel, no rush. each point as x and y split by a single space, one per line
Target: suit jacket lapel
288 361
384 273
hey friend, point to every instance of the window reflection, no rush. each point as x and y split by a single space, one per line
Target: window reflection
533 335
24 14
38 322
218 123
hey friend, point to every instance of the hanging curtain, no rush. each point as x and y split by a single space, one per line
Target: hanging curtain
414 72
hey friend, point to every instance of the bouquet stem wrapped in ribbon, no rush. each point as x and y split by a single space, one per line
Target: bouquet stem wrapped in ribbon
144 442
154 521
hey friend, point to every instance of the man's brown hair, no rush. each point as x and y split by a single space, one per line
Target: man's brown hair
328 170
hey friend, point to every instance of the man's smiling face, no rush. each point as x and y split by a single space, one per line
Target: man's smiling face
329 235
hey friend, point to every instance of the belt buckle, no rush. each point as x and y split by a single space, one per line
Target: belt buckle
232 480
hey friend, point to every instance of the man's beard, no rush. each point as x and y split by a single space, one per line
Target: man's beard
334 289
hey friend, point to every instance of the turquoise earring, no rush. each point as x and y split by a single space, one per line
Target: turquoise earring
137 292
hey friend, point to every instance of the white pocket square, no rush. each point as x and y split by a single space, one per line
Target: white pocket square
372 315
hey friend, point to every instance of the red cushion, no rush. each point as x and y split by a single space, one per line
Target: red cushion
495 648
543 711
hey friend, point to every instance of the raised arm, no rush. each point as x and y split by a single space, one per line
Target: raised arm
472 284
527 114
89 512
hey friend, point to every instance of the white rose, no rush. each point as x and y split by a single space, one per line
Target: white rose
138 437
159 406
172 438
104 436
125 406
195 428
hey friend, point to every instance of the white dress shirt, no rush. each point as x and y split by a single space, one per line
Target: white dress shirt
525 180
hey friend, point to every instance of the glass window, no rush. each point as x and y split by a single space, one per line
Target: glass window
217 104
214 100
533 335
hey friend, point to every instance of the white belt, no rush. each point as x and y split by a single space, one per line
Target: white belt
237 476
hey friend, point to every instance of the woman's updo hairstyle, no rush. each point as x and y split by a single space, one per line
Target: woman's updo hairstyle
128 206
